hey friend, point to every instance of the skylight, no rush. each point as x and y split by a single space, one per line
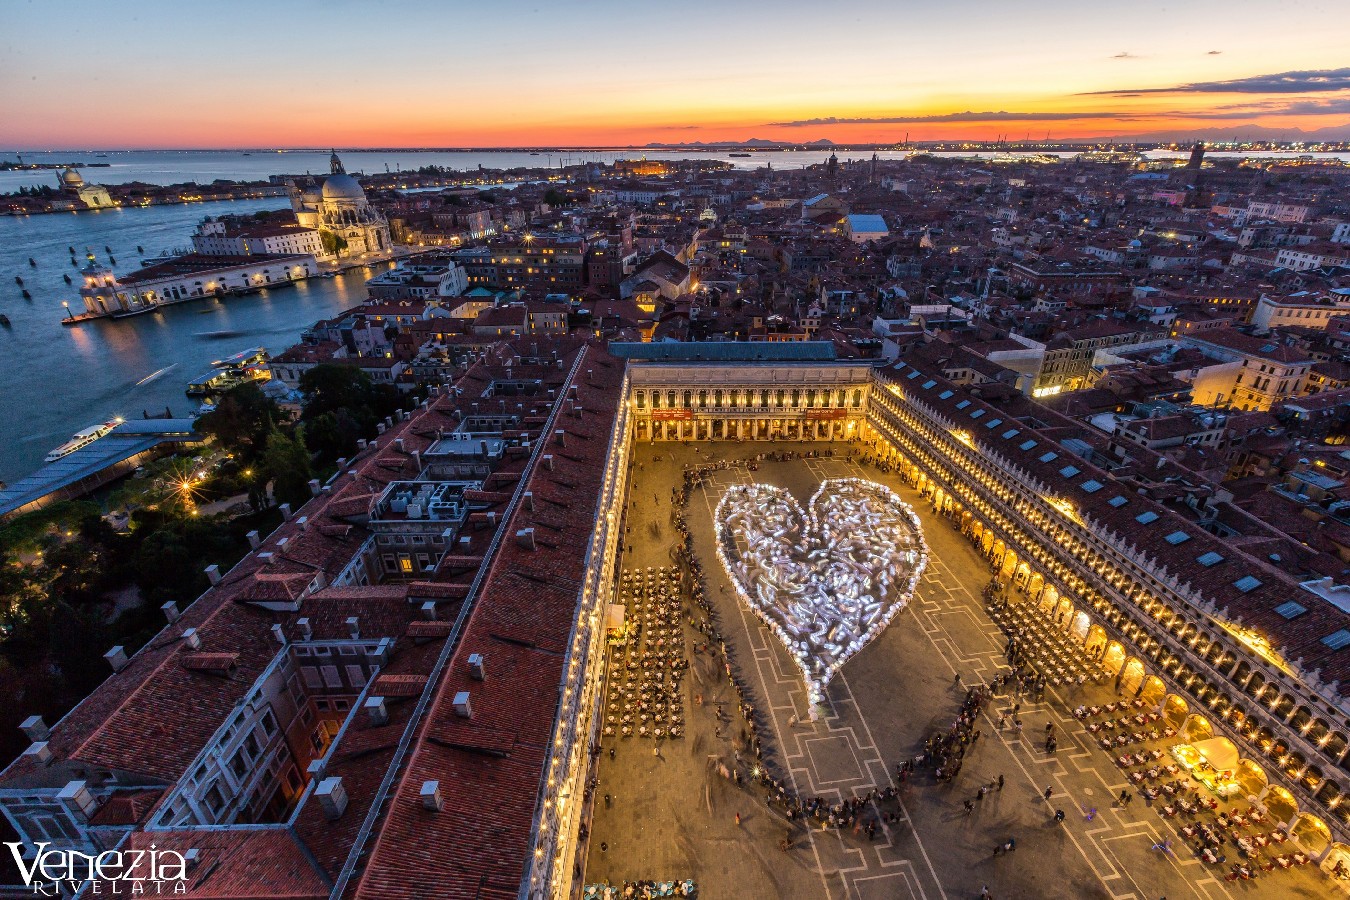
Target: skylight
1117 501
913 375
1145 517
1291 610
1027 445
1069 471
1092 486
1010 434
1247 583
993 423
945 394
1337 640
1049 457
1209 559
976 413
927 384
963 404
1177 537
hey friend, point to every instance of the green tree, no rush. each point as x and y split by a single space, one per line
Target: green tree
287 462
332 243
241 420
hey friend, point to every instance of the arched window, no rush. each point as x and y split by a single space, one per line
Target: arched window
857 398
641 399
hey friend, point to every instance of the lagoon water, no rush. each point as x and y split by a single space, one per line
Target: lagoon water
55 380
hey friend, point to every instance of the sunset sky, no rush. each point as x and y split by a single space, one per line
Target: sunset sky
303 73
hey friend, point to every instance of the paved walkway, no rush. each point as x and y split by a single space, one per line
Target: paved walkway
674 816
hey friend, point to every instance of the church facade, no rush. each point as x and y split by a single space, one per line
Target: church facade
336 206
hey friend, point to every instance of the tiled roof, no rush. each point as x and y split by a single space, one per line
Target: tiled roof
1143 523
520 623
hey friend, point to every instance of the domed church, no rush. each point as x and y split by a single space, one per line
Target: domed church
338 208
94 196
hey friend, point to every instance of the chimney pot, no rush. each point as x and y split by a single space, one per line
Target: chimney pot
354 627
525 538
398 442
192 857
377 710
213 574
306 631
332 797
254 539
477 670
170 610
461 704
431 795
314 487
77 796
117 658
39 751
279 634
285 510
35 728
192 638
429 610
529 500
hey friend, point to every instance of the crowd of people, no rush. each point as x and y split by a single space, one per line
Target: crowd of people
640 890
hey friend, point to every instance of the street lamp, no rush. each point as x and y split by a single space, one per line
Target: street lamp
66 304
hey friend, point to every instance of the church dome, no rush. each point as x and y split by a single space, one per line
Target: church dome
71 178
342 187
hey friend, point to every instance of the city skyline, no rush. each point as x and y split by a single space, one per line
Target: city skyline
601 74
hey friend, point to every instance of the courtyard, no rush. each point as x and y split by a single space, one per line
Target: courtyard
666 809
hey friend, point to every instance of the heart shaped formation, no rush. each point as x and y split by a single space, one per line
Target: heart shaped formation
825 582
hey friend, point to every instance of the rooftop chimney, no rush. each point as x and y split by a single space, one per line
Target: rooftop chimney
398 442
315 485
429 610
192 638
306 632
561 436
170 611
285 510
529 500
476 667
254 539
431 796
332 797
212 575
78 799
548 461
525 538
34 728
354 627
279 634
377 710
462 705
39 752
192 857
117 658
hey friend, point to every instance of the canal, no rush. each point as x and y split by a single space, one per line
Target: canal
55 380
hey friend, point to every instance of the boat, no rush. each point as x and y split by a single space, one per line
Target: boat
18 281
26 295
67 277
83 439
4 320
738 154
32 262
